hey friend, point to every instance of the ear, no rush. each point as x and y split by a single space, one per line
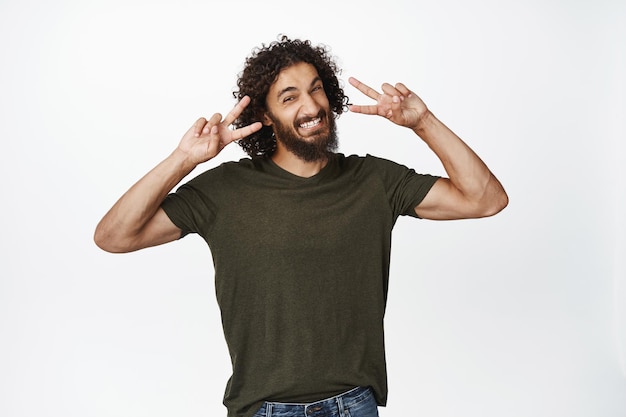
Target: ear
266 120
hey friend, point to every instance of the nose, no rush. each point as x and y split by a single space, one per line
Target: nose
310 107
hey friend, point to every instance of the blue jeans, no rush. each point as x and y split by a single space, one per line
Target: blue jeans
358 402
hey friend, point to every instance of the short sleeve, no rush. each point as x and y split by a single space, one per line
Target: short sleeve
190 208
405 188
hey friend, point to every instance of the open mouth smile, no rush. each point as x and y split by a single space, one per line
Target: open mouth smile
312 124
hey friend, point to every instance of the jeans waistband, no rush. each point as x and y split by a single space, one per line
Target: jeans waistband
333 406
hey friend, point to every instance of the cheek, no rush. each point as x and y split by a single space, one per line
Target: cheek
282 117
289 117
323 101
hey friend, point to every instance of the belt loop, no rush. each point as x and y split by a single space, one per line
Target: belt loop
340 406
268 409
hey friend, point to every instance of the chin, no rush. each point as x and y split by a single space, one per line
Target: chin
315 135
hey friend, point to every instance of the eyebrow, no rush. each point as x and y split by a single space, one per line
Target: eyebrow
289 89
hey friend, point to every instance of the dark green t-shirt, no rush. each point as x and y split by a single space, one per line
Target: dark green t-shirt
301 271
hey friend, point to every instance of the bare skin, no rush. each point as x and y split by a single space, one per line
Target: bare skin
136 220
471 190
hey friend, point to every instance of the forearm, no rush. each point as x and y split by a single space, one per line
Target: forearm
467 173
124 222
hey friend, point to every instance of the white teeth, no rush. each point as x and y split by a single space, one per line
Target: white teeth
311 124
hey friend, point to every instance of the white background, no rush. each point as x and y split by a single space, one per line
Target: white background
522 314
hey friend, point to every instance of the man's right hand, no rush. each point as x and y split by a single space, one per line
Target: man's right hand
136 220
206 138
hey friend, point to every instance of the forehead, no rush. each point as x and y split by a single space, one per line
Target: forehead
298 75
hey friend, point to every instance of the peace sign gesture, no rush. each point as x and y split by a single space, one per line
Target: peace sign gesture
396 103
206 138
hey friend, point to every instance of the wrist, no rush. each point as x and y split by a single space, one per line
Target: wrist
182 160
425 120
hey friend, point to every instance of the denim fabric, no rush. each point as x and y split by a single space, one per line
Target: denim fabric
358 402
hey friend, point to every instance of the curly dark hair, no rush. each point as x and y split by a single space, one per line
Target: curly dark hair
261 70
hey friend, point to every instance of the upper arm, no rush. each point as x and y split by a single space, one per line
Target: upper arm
158 230
444 201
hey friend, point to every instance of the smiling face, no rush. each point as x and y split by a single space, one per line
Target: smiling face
299 113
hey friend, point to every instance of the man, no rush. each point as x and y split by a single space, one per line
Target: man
300 235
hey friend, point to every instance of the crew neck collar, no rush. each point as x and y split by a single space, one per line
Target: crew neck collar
277 169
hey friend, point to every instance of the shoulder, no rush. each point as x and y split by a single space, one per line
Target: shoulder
369 163
389 172
225 169
369 169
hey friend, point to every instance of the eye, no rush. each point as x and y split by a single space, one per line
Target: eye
317 88
288 99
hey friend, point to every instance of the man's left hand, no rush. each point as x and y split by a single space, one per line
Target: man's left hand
396 103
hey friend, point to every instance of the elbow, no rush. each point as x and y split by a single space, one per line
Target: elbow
99 239
105 241
494 198
495 204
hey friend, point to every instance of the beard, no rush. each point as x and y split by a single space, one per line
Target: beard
319 144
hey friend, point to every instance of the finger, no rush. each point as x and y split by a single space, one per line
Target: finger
403 89
236 111
390 90
213 121
242 132
355 108
197 127
365 89
214 140
396 108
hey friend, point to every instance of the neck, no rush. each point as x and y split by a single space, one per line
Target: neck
296 166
